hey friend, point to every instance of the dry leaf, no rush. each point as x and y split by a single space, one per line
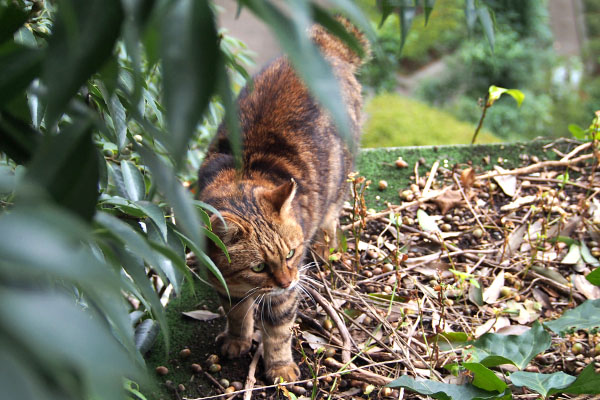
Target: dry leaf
491 294
514 242
314 341
518 203
448 200
508 183
467 177
513 330
201 315
584 287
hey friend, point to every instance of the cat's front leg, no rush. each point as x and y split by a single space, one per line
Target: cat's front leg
236 340
277 337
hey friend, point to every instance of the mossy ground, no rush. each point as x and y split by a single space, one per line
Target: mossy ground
379 164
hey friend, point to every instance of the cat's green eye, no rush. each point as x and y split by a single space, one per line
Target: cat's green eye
290 254
258 267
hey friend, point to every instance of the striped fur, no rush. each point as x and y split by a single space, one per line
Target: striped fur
290 188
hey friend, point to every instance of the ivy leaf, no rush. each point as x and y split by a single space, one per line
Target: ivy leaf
493 349
584 316
588 382
594 277
444 391
485 378
544 384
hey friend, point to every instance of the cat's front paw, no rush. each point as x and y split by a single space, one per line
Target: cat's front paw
232 346
289 372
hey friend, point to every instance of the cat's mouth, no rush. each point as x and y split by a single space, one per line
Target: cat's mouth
280 291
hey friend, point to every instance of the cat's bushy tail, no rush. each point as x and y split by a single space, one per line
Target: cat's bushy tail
332 46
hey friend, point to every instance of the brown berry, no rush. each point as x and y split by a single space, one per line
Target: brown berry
185 353
161 370
196 368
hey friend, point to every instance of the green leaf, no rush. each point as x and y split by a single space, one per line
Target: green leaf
495 92
494 349
386 7
171 262
485 378
133 264
133 180
544 384
594 277
191 59
145 335
484 17
588 382
204 259
67 342
156 214
325 19
19 65
12 17
119 119
83 38
443 391
135 241
53 168
428 8
584 316
407 13
577 131
17 139
176 195
450 340
216 240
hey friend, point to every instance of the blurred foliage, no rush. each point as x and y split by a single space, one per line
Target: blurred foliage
523 58
399 121
441 34
106 107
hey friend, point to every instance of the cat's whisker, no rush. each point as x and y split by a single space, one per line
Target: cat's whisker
306 293
248 294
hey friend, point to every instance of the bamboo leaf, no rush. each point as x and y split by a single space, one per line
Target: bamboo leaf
191 59
83 38
133 180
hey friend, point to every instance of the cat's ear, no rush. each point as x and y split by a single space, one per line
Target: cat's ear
227 228
282 196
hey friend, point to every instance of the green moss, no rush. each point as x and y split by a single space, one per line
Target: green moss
378 164
393 121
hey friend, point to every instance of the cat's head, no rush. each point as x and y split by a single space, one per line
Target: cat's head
264 240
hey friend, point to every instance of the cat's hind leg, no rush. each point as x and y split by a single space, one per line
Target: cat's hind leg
236 340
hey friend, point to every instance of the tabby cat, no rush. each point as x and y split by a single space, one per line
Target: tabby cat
290 188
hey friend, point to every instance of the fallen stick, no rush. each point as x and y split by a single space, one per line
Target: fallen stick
251 379
358 374
535 167
346 339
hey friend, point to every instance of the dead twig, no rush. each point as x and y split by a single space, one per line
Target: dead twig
251 379
346 339
358 374
536 167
